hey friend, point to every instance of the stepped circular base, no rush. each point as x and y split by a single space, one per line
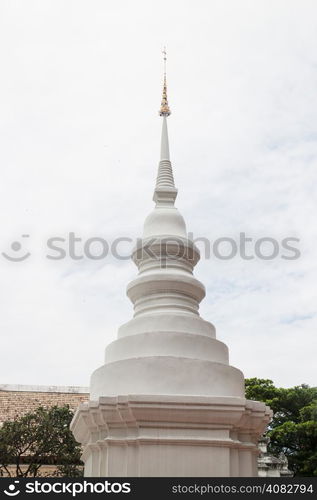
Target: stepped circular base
168 322
184 345
166 375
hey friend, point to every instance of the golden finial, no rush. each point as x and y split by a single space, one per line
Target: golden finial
164 110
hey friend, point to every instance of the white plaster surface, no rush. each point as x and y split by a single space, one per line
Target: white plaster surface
175 436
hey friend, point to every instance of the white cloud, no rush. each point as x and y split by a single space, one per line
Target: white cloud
79 93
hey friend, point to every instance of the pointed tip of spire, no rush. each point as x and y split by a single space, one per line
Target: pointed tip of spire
164 109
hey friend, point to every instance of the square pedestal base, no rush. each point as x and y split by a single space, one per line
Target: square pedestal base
171 436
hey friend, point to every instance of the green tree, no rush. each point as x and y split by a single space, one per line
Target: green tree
260 389
293 429
38 438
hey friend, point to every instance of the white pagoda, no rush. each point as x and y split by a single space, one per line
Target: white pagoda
166 401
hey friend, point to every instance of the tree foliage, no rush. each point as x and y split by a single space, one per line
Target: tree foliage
293 429
38 438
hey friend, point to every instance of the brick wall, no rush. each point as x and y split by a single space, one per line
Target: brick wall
18 400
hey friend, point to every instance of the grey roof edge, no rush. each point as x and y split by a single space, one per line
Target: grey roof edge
65 389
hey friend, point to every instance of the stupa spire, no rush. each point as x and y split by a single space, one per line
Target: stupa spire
165 191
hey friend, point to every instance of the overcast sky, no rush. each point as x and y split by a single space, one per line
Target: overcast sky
80 89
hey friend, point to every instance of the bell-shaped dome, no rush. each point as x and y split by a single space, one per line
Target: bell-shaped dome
164 221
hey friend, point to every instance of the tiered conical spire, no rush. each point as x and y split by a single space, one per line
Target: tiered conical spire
165 191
